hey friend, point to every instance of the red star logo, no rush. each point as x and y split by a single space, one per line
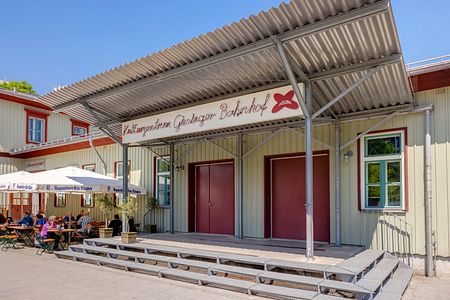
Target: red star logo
284 101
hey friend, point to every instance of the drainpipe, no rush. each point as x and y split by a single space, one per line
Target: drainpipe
309 175
240 185
124 184
428 198
98 155
337 184
172 173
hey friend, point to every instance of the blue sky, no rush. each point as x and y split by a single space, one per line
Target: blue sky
51 43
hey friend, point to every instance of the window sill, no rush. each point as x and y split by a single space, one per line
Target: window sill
380 210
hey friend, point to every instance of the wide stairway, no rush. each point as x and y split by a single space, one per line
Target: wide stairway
368 275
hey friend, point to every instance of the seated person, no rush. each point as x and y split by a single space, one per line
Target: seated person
40 220
41 212
51 224
9 221
2 219
27 219
66 220
131 226
78 218
85 223
116 225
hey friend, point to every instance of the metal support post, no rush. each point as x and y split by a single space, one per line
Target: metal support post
429 268
172 173
337 184
240 187
309 175
124 184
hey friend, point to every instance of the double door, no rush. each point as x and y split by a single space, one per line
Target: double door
214 198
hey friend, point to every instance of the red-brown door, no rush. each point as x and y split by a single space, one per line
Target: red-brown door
214 195
288 214
19 204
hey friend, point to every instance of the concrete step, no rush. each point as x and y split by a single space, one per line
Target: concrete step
279 292
183 275
184 253
344 287
244 259
139 257
190 263
228 283
234 270
386 296
314 281
327 297
399 282
382 270
296 266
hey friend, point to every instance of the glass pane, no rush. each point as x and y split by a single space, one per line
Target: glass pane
25 201
383 145
393 171
373 196
38 125
394 195
16 195
373 172
163 166
119 169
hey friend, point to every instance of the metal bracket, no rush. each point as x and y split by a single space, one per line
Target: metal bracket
388 117
175 161
223 148
262 142
291 77
346 91
314 140
157 154
103 127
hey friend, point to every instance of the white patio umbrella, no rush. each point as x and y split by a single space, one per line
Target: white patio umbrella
72 180
7 179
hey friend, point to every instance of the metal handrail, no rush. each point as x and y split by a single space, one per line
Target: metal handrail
395 235
66 140
429 61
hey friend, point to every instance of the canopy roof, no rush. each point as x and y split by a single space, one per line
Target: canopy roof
331 42
6 179
72 179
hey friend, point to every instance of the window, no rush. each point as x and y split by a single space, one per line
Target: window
79 128
118 169
89 167
162 176
20 199
36 127
87 200
60 200
382 169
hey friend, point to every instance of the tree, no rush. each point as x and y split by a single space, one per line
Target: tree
22 86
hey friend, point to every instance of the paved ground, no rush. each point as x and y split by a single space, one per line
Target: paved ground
40 277
437 288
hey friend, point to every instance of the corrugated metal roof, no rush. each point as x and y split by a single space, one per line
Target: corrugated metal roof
369 38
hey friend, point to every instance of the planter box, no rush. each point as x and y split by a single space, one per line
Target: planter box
129 237
105 233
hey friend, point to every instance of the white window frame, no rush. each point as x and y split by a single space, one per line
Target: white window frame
162 173
75 128
32 131
89 167
88 198
119 165
363 160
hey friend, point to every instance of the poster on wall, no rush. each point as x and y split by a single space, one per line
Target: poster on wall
269 105
35 165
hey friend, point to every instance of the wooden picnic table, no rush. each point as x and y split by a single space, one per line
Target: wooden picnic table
25 233
60 232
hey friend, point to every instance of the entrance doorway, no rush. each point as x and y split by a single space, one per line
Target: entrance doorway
212 197
286 218
19 204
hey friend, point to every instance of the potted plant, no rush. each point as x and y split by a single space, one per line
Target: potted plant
128 209
106 205
152 204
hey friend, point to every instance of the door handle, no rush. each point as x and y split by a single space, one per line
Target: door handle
209 204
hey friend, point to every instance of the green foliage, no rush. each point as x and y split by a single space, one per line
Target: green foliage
106 205
152 203
21 86
129 208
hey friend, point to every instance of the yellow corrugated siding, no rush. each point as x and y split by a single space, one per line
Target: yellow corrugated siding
361 228
8 165
357 227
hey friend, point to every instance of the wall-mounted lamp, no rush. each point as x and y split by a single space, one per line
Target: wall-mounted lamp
179 168
347 155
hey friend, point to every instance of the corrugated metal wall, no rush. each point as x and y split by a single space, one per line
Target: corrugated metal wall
357 227
13 122
367 229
